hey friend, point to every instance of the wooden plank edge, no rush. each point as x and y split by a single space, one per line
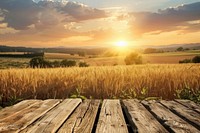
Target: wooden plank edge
192 107
41 115
127 116
181 115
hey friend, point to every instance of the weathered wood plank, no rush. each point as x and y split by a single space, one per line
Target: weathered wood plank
111 118
68 116
172 121
17 108
27 116
140 118
189 104
82 120
53 120
6 123
184 112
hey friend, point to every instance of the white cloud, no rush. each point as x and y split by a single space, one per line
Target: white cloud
20 14
169 19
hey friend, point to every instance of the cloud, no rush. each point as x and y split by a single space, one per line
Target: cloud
165 20
82 12
60 22
21 14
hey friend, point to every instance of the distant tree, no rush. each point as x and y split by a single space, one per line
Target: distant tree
38 62
83 64
47 64
196 59
68 63
187 49
133 58
110 53
185 61
180 49
56 63
150 50
82 54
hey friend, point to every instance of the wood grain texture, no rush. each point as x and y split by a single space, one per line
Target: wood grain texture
171 120
53 120
75 116
184 112
82 120
111 119
190 104
17 108
141 118
27 116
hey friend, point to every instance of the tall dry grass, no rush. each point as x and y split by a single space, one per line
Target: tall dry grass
99 82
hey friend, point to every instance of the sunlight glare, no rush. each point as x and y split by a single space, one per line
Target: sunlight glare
122 44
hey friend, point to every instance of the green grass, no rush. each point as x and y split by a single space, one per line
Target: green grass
6 63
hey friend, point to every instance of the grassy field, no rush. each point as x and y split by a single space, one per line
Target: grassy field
158 58
98 61
138 81
14 63
62 56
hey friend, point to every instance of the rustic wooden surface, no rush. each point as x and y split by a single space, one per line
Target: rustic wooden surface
52 120
189 104
82 120
169 119
141 119
184 112
107 116
111 119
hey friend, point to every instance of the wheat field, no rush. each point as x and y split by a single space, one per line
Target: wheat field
99 82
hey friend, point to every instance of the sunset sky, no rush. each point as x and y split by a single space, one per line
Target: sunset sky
98 23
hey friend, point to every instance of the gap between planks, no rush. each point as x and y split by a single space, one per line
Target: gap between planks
140 118
170 120
82 120
184 112
77 116
111 119
52 120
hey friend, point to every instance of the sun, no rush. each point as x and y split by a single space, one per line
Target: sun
121 44
121 47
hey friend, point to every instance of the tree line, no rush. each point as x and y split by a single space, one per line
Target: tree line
41 62
195 59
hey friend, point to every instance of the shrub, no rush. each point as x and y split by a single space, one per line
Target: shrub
150 50
185 61
82 54
38 62
180 49
133 58
68 63
196 59
47 64
83 64
187 49
188 93
56 64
